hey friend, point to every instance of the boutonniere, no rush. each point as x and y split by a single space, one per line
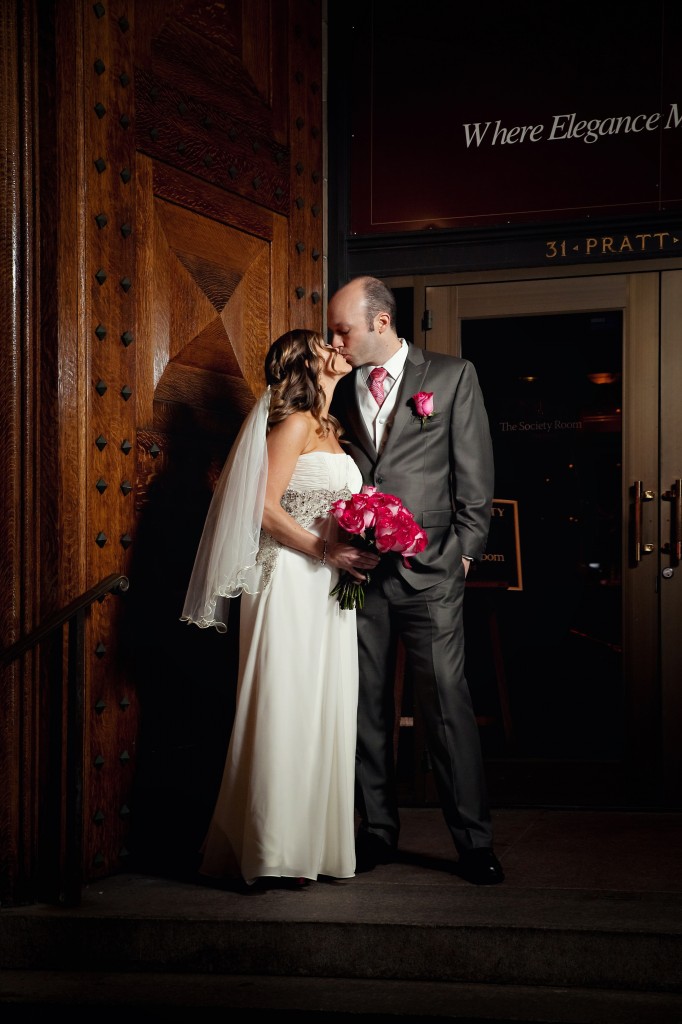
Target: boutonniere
423 405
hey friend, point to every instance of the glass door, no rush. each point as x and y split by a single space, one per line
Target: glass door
567 656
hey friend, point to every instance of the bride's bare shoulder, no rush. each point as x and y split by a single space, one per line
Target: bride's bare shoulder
294 431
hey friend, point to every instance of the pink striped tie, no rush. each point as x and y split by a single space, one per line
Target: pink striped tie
375 383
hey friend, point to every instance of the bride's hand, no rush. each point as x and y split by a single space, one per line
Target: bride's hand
355 561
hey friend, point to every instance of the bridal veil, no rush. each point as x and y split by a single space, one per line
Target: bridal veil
225 563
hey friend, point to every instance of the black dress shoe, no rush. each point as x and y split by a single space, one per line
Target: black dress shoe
370 850
480 866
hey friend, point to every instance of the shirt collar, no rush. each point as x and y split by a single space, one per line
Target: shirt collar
394 366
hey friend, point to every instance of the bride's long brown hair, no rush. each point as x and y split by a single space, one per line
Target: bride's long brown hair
292 369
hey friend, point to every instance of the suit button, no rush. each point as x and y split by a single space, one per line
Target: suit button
379 479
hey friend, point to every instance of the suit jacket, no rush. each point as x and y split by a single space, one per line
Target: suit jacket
443 472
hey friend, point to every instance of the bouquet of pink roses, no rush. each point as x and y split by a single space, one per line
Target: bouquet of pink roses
380 522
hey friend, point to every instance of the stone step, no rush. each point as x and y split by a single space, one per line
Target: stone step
91 996
362 930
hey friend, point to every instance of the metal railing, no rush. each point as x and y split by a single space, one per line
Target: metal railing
67 876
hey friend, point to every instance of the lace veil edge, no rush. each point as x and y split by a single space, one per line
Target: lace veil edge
225 563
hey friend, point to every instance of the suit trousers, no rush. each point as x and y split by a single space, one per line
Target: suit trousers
430 624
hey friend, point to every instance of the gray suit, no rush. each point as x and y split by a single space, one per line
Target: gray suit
443 473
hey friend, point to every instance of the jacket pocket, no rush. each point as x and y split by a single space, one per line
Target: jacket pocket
436 517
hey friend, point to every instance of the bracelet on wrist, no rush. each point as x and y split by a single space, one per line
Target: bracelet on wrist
323 560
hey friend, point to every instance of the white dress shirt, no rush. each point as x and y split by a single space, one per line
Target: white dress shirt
379 418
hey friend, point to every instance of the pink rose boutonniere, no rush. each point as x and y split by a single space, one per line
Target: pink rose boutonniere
423 405
379 522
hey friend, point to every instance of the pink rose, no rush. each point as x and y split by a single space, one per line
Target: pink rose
363 505
349 519
419 540
387 503
423 405
394 532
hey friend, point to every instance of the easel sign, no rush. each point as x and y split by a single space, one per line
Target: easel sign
501 563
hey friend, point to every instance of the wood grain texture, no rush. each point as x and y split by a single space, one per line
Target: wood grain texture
210 142
10 455
219 78
112 708
306 213
206 270
31 479
177 187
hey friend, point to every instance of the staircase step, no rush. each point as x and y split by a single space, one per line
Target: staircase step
332 1000
378 930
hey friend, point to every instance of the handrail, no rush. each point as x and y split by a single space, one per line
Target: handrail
62 851
114 582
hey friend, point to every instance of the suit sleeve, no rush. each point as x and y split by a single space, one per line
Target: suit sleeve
471 464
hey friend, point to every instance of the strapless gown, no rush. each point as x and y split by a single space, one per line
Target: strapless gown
286 805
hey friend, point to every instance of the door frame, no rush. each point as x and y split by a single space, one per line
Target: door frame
671 588
650 295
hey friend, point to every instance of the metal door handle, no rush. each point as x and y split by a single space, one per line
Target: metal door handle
639 495
674 496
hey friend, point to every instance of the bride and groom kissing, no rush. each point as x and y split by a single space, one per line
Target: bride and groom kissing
312 741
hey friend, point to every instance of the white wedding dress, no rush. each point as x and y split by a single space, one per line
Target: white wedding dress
286 803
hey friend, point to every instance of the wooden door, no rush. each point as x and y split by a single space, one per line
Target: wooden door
178 194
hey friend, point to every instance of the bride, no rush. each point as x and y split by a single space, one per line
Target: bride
285 807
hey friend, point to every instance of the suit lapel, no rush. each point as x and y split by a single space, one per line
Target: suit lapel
414 376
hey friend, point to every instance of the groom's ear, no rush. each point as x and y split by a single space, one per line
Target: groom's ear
383 322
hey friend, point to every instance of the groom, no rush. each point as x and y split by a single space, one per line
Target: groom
416 426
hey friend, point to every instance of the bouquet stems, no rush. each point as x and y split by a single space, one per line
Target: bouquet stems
350 592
